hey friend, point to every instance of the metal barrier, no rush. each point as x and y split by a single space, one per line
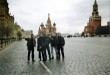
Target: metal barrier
5 42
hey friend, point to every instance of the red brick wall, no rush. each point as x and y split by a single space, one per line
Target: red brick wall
95 23
91 27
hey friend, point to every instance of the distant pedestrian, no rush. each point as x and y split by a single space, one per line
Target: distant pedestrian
54 46
31 43
60 45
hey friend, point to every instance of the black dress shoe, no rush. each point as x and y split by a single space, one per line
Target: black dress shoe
28 59
49 58
33 60
44 60
52 58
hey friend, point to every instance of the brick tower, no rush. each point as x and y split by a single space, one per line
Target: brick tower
94 21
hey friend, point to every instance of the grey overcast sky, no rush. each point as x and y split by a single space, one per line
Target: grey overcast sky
70 16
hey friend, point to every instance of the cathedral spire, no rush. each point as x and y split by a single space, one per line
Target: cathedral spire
95 12
49 21
95 2
95 6
48 16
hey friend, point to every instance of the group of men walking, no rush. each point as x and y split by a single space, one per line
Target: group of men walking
46 46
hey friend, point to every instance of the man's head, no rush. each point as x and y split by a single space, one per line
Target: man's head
40 35
46 34
32 35
59 34
52 35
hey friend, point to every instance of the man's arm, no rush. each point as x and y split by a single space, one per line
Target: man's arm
63 41
34 43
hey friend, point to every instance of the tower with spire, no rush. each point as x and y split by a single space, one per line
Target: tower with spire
49 23
48 28
94 21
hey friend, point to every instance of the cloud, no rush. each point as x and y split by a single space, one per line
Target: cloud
70 15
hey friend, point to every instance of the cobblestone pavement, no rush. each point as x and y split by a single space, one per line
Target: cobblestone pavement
83 56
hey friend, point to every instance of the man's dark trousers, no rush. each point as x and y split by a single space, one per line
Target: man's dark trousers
48 50
62 51
29 51
41 54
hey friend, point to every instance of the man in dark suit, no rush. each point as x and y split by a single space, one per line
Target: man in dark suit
47 41
31 43
40 43
60 45
53 45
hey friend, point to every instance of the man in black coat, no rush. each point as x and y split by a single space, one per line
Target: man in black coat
40 46
47 41
53 45
31 43
60 45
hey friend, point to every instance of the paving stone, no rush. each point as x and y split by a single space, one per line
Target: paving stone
83 56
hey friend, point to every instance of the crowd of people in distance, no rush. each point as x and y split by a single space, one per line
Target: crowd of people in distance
46 46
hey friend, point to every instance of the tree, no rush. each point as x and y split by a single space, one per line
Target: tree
19 35
9 31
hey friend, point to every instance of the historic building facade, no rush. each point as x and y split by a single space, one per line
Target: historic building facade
6 20
8 28
94 21
5 17
48 28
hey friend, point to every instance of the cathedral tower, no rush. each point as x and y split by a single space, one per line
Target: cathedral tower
49 23
48 29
